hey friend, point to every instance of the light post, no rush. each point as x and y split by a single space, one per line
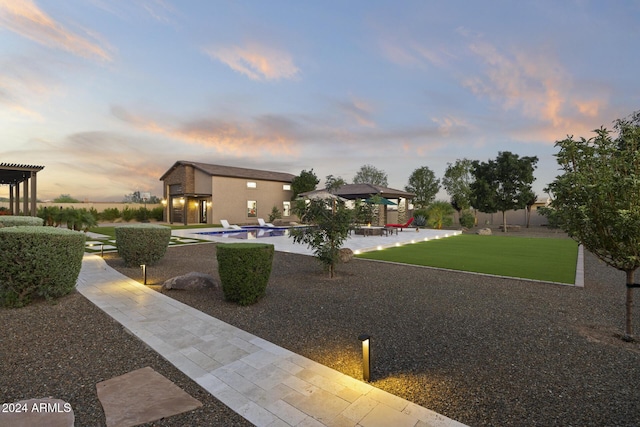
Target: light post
366 356
144 273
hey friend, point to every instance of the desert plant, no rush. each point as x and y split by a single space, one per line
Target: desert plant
128 214
419 221
244 270
142 243
21 221
38 262
440 214
110 214
157 213
467 219
275 214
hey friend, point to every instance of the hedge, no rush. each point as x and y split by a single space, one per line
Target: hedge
142 243
38 261
20 221
244 270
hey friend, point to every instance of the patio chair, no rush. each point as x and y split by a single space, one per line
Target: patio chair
227 226
264 224
400 226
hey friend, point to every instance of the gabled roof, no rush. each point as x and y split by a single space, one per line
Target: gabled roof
11 173
232 172
363 191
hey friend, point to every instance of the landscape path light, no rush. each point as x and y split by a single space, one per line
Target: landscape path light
144 273
366 356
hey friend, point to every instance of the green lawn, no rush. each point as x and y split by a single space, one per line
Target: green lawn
545 259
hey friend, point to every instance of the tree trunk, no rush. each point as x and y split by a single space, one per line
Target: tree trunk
629 305
504 221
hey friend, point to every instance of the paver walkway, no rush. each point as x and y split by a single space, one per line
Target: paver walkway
266 384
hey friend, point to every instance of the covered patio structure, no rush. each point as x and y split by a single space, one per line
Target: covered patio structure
366 191
12 175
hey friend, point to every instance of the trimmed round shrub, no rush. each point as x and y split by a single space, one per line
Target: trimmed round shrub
142 243
21 221
244 270
38 261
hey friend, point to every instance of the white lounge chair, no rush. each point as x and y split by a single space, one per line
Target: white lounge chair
227 226
264 224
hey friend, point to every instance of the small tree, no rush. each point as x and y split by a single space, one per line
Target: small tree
369 174
306 181
597 199
424 185
330 220
502 184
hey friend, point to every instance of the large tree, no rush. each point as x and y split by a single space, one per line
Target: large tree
457 182
502 184
597 198
369 174
306 181
424 185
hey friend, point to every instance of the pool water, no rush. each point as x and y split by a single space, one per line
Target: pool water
249 233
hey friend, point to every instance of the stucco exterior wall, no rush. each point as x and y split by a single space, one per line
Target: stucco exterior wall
230 197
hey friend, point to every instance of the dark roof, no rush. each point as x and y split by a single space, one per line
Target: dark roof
233 172
363 191
12 173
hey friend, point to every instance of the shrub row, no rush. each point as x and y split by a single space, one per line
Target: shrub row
244 270
141 214
38 262
20 221
142 243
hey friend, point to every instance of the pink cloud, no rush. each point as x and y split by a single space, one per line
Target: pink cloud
263 135
256 61
27 19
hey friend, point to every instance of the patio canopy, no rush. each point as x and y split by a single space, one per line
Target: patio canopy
364 191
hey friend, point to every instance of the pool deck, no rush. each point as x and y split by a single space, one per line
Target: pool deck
356 242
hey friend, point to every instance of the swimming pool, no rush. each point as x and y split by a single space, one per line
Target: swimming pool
249 232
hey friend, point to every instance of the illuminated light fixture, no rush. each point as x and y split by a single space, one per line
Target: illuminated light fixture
426 239
182 200
446 235
379 248
397 244
144 273
357 252
413 241
164 202
101 248
366 356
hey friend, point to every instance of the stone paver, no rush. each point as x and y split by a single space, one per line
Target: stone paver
265 383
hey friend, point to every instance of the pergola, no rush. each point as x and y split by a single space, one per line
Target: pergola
365 191
12 175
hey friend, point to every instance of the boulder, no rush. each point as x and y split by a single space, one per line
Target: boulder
191 281
345 254
484 232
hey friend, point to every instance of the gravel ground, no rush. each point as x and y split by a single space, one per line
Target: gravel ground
484 351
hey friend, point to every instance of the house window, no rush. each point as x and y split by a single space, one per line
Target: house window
286 208
286 187
252 184
252 209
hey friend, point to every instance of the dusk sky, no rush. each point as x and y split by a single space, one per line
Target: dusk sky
109 94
